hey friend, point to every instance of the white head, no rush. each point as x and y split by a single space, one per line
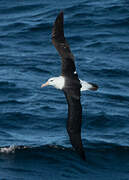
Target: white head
57 82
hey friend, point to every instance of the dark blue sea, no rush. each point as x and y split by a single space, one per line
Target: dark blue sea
34 144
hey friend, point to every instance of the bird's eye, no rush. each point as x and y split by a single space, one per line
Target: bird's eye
51 80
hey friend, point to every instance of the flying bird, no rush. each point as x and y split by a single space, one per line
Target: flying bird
70 84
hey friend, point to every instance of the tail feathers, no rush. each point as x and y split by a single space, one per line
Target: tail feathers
88 86
93 87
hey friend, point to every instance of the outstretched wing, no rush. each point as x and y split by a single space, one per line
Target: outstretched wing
60 43
72 85
74 122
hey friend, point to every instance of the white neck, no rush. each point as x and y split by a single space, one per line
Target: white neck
59 82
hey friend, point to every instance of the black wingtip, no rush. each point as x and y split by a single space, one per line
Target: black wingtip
94 87
58 27
59 17
61 14
82 155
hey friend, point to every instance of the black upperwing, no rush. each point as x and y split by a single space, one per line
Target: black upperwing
74 121
72 85
60 43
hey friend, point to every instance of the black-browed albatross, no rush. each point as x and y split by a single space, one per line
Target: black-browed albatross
70 84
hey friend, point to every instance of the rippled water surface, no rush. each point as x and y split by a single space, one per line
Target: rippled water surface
34 143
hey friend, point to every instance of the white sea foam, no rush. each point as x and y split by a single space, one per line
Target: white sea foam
9 149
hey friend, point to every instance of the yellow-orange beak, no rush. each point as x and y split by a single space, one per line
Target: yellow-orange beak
45 84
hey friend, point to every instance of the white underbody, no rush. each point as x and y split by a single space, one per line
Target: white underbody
59 83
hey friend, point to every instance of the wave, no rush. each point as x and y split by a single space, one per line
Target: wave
7 83
109 72
63 163
18 116
15 90
22 8
40 27
120 8
96 146
11 102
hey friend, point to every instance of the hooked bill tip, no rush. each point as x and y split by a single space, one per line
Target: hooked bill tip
45 84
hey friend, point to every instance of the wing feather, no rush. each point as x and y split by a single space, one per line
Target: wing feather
60 43
72 85
74 123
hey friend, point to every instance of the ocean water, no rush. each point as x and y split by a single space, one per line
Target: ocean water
34 144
